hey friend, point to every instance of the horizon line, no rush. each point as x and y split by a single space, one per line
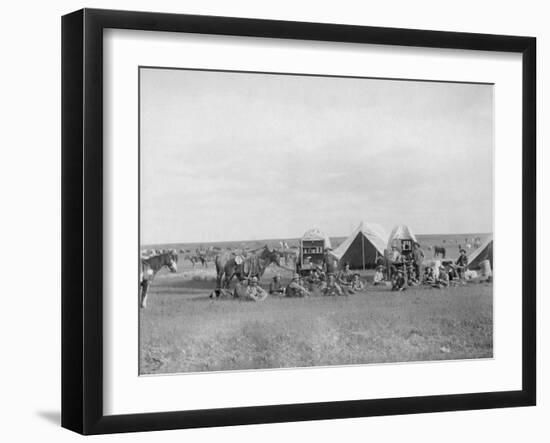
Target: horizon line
289 238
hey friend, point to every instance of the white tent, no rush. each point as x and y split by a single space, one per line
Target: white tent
484 252
399 233
317 234
363 246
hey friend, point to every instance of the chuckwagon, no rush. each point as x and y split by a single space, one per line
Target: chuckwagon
312 250
402 238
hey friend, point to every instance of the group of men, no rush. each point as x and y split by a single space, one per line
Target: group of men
409 270
401 270
316 283
250 289
320 283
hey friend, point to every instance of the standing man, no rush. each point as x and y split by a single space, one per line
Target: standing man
461 263
394 258
418 259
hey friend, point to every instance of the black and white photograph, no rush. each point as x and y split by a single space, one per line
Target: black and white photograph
294 221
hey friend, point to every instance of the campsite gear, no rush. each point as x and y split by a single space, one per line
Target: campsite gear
313 247
486 268
470 275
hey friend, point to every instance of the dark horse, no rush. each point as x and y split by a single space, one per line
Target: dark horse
149 268
198 258
254 264
439 250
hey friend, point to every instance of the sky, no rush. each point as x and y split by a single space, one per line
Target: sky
245 156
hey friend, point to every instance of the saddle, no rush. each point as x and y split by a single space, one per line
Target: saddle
251 266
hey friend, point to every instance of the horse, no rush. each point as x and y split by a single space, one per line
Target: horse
229 265
149 268
439 250
198 258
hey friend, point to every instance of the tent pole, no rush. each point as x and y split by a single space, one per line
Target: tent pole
363 249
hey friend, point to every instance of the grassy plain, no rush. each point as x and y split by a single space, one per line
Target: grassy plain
183 330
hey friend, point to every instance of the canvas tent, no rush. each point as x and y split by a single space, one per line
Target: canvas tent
361 249
401 236
484 252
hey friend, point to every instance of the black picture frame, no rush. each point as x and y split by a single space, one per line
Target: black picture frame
82 220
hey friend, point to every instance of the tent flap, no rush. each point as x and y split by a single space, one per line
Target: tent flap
484 252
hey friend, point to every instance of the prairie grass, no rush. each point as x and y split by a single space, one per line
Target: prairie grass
183 330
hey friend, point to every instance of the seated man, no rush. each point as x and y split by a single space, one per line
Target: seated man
320 273
313 278
429 278
275 287
412 279
344 279
356 283
399 281
442 280
454 276
332 288
254 291
378 275
240 288
295 289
